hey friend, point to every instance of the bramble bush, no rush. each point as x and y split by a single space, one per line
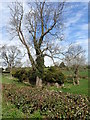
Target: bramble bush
20 73
23 74
52 74
51 104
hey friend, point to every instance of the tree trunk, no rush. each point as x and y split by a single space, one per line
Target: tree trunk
11 73
40 70
38 82
76 79
10 70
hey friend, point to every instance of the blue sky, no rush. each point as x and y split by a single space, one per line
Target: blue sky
75 24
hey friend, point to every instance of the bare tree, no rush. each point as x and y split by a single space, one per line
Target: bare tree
74 58
11 56
42 25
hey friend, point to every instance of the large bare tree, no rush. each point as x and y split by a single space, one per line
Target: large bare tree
74 58
11 56
38 29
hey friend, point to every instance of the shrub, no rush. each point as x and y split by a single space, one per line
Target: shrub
53 75
32 76
24 74
20 73
62 65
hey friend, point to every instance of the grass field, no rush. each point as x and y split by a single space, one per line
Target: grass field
77 89
10 111
81 72
8 79
68 87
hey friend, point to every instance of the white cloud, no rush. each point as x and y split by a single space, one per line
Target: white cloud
0 6
84 44
77 0
4 1
48 61
74 19
84 27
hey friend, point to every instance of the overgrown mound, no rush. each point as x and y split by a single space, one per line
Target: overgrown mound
24 74
52 74
51 104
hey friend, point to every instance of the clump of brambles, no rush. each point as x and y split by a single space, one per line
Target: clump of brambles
51 104
50 75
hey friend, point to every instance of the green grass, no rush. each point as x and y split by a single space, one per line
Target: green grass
68 87
36 114
67 72
8 79
75 89
10 111
82 72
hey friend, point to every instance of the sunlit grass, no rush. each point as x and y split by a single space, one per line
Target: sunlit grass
8 79
75 89
10 111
